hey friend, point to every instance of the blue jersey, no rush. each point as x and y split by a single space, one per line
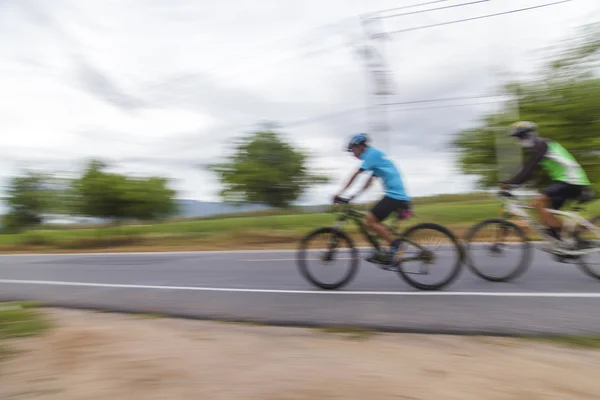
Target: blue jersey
377 161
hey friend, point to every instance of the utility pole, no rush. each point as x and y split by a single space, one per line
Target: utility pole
380 80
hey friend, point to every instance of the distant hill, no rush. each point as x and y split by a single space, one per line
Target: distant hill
200 209
187 209
195 208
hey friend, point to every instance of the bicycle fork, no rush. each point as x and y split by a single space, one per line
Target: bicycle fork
333 242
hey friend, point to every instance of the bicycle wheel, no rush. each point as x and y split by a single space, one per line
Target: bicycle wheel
496 247
421 254
589 263
335 240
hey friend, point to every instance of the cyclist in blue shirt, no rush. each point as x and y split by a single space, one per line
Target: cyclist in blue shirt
394 200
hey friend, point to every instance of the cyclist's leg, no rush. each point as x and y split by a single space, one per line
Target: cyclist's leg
554 197
551 197
378 214
374 221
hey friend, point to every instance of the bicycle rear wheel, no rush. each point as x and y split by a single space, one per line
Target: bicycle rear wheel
335 243
423 248
589 263
494 244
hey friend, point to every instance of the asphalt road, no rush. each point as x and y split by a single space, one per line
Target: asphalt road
550 298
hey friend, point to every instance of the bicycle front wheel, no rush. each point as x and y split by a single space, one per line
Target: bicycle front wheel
319 264
589 263
491 239
432 248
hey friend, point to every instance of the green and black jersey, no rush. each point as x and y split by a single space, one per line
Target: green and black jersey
555 160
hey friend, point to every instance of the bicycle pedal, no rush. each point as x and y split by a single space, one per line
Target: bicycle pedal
380 264
388 267
566 259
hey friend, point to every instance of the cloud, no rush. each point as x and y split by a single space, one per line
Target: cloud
100 84
161 88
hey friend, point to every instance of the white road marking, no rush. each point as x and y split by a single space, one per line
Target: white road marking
286 259
194 252
148 253
311 292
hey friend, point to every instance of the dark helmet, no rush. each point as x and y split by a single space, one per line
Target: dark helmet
523 129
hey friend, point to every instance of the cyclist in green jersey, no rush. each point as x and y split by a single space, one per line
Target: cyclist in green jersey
569 180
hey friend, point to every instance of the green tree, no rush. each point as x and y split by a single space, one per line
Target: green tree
27 201
59 194
265 169
114 196
149 199
564 100
100 193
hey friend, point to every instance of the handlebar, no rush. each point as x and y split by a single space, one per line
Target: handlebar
341 200
505 193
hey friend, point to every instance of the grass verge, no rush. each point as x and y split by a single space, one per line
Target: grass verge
19 320
578 341
252 231
350 332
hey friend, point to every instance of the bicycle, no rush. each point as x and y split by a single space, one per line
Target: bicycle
577 252
337 236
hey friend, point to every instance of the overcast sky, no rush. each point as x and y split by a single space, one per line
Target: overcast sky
160 87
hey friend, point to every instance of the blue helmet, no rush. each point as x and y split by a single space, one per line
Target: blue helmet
359 138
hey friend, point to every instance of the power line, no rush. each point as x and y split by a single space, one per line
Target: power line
450 106
402 103
336 46
411 6
476 18
323 117
431 9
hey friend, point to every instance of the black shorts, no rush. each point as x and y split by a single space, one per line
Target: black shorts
560 192
387 205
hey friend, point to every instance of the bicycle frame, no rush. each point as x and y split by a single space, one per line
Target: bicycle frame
518 209
357 217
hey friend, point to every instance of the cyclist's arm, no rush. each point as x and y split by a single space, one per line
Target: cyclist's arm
537 155
367 184
352 178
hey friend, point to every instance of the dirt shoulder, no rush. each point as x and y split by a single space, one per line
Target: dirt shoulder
88 355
